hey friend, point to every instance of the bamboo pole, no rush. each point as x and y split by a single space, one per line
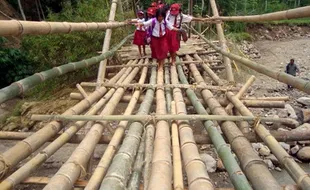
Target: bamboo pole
236 175
301 12
221 37
248 101
214 77
120 168
161 174
300 84
177 161
254 167
110 151
200 62
134 182
243 125
243 90
218 88
168 90
296 172
82 91
149 147
18 28
75 165
106 44
197 175
25 84
281 136
23 149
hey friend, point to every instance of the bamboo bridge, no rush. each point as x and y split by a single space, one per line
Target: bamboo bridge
153 145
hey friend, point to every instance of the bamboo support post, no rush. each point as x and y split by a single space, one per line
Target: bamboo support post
21 86
106 44
241 92
77 162
253 166
177 161
149 147
120 168
301 12
236 175
134 182
296 172
23 149
214 77
82 91
218 88
220 33
298 83
161 174
110 151
18 28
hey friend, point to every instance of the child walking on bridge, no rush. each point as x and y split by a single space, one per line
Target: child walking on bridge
140 34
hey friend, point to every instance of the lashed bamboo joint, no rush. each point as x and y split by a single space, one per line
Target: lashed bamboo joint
155 142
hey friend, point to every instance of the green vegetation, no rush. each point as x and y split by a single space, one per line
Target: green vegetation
240 36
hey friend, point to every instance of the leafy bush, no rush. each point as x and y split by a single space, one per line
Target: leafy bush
13 65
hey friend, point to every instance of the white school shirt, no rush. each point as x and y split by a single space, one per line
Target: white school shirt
143 28
155 33
171 18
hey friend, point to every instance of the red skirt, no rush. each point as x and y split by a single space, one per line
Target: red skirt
139 38
173 42
159 47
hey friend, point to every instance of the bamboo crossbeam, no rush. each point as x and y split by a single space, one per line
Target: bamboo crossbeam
200 62
25 84
301 12
106 44
221 37
113 145
17 27
281 136
82 91
253 166
218 88
49 150
298 83
301 178
236 175
158 117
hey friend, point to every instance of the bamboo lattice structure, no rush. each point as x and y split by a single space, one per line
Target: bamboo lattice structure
157 141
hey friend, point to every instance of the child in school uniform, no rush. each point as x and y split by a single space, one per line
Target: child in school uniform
159 44
175 17
150 13
140 33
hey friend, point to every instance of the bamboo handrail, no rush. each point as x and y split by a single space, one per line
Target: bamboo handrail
219 88
106 159
81 155
18 27
301 12
253 166
236 175
221 37
21 86
120 168
300 84
296 172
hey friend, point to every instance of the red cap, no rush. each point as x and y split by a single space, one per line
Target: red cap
154 4
160 6
151 11
175 9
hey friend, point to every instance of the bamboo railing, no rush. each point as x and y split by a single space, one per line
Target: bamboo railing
21 86
301 12
17 27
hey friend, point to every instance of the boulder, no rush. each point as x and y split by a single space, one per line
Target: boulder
303 127
291 111
306 115
283 113
304 154
209 161
304 101
295 149
264 151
